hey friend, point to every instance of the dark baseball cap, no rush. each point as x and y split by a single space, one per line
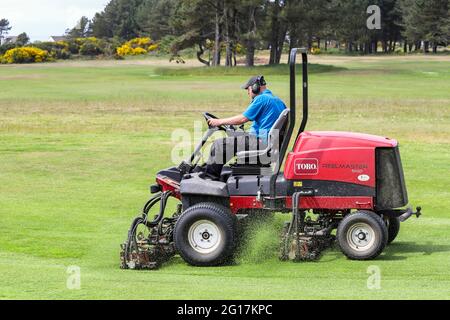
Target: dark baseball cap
252 81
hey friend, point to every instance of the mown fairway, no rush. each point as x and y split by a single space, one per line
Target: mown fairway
80 143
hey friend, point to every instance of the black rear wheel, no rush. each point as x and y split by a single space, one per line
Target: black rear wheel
362 235
205 234
393 226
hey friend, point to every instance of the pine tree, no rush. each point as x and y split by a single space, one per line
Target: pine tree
4 29
117 20
22 39
276 28
427 21
435 27
251 14
193 20
83 29
153 18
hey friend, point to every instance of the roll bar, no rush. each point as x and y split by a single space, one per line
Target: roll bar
293 100
304 53
293 105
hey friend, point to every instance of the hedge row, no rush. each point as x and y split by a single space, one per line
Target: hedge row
48 51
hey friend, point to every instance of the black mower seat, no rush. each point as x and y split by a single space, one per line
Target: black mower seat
275 140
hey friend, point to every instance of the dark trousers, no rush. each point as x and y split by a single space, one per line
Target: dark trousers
223 150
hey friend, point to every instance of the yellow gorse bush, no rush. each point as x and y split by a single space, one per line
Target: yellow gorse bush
81 41
62 45
138 51
136 47
315 50
153 47
140 42
25 55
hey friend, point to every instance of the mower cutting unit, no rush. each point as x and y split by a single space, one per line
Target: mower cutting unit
332 180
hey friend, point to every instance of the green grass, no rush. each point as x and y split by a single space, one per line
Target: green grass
278 70
79 145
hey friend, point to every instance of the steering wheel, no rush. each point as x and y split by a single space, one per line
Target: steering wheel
225 127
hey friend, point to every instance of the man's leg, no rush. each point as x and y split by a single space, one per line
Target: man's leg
222 151
250 142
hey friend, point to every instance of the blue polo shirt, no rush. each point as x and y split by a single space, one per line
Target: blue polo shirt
264 110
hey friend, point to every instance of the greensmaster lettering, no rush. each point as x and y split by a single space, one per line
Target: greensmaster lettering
345 165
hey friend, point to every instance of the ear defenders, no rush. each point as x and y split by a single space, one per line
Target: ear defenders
260 81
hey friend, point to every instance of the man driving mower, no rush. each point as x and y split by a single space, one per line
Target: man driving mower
264 111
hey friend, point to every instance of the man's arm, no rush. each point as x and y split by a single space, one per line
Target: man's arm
236 120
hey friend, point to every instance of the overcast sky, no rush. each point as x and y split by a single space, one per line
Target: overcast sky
41 19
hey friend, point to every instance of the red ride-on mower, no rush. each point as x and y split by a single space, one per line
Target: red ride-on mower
332 180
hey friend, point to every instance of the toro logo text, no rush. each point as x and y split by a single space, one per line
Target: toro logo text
306 166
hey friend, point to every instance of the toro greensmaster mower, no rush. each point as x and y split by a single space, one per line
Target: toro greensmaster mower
331 180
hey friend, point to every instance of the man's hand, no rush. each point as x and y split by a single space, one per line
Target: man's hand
215 122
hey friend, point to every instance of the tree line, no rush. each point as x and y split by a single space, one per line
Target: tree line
219 30
223 28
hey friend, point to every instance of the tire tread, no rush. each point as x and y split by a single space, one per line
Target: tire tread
367 216
225 216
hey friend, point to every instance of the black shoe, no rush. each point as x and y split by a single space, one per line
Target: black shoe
199 169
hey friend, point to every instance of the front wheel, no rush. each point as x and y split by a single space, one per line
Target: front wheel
205 234
362 235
